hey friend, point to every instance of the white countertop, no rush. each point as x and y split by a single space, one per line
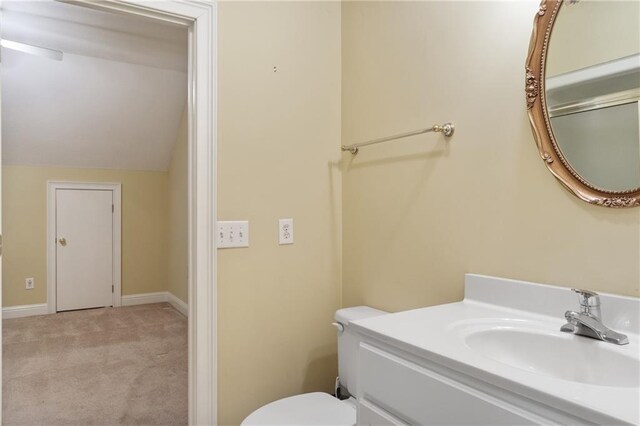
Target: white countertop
437 333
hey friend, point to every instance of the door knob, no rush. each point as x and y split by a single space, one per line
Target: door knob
63 242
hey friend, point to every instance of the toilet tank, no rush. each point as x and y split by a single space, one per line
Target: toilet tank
349 342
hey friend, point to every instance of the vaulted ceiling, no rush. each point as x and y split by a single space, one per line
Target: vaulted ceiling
114 101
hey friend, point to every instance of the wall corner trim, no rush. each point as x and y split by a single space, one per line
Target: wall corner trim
178 304
157 297
144 298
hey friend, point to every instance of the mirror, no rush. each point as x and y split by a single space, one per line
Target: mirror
583 88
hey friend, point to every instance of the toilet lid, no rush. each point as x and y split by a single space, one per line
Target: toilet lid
308 409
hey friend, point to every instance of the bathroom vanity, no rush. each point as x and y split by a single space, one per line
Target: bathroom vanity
499 358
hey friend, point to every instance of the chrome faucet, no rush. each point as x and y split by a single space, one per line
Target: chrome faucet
588 322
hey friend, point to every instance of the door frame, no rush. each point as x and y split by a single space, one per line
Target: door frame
52 265
200 17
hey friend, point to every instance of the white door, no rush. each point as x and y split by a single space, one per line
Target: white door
84 249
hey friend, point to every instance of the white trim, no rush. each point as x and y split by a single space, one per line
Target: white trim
1 237
20 311
116 188
158 297
203 376
182 13
144 298
24 311
178 304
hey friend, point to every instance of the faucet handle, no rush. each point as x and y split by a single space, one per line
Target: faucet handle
587 298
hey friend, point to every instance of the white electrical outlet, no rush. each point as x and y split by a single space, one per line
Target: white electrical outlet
29 283
232 234
285 231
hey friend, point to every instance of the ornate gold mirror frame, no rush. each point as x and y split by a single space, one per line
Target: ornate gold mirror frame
540 123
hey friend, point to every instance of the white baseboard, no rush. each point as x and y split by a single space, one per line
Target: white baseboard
159 297
129 300
180 306
24 311
144 298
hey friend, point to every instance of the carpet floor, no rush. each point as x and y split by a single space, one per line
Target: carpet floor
113 366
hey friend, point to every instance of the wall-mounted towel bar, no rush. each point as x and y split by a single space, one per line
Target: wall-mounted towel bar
446 129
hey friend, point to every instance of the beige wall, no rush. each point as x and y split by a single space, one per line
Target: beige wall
24 201
279 138
421 212
177 216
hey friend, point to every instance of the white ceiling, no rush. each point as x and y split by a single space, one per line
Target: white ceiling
114 101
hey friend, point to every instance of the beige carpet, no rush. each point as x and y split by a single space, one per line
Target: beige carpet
115 366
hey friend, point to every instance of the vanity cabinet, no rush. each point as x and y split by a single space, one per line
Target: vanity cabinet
396 390
369 414
498 357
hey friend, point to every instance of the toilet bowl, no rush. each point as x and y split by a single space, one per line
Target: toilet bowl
319 408
308 409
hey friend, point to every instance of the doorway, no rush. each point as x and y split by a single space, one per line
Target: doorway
83 245
199 17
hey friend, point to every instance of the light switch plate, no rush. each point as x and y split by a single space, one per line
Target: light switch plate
233 234
285 231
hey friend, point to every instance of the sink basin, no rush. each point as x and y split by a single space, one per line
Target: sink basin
563 356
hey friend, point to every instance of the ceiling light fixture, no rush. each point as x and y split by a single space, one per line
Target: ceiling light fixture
31 49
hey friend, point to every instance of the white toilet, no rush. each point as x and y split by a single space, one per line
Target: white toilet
319 408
